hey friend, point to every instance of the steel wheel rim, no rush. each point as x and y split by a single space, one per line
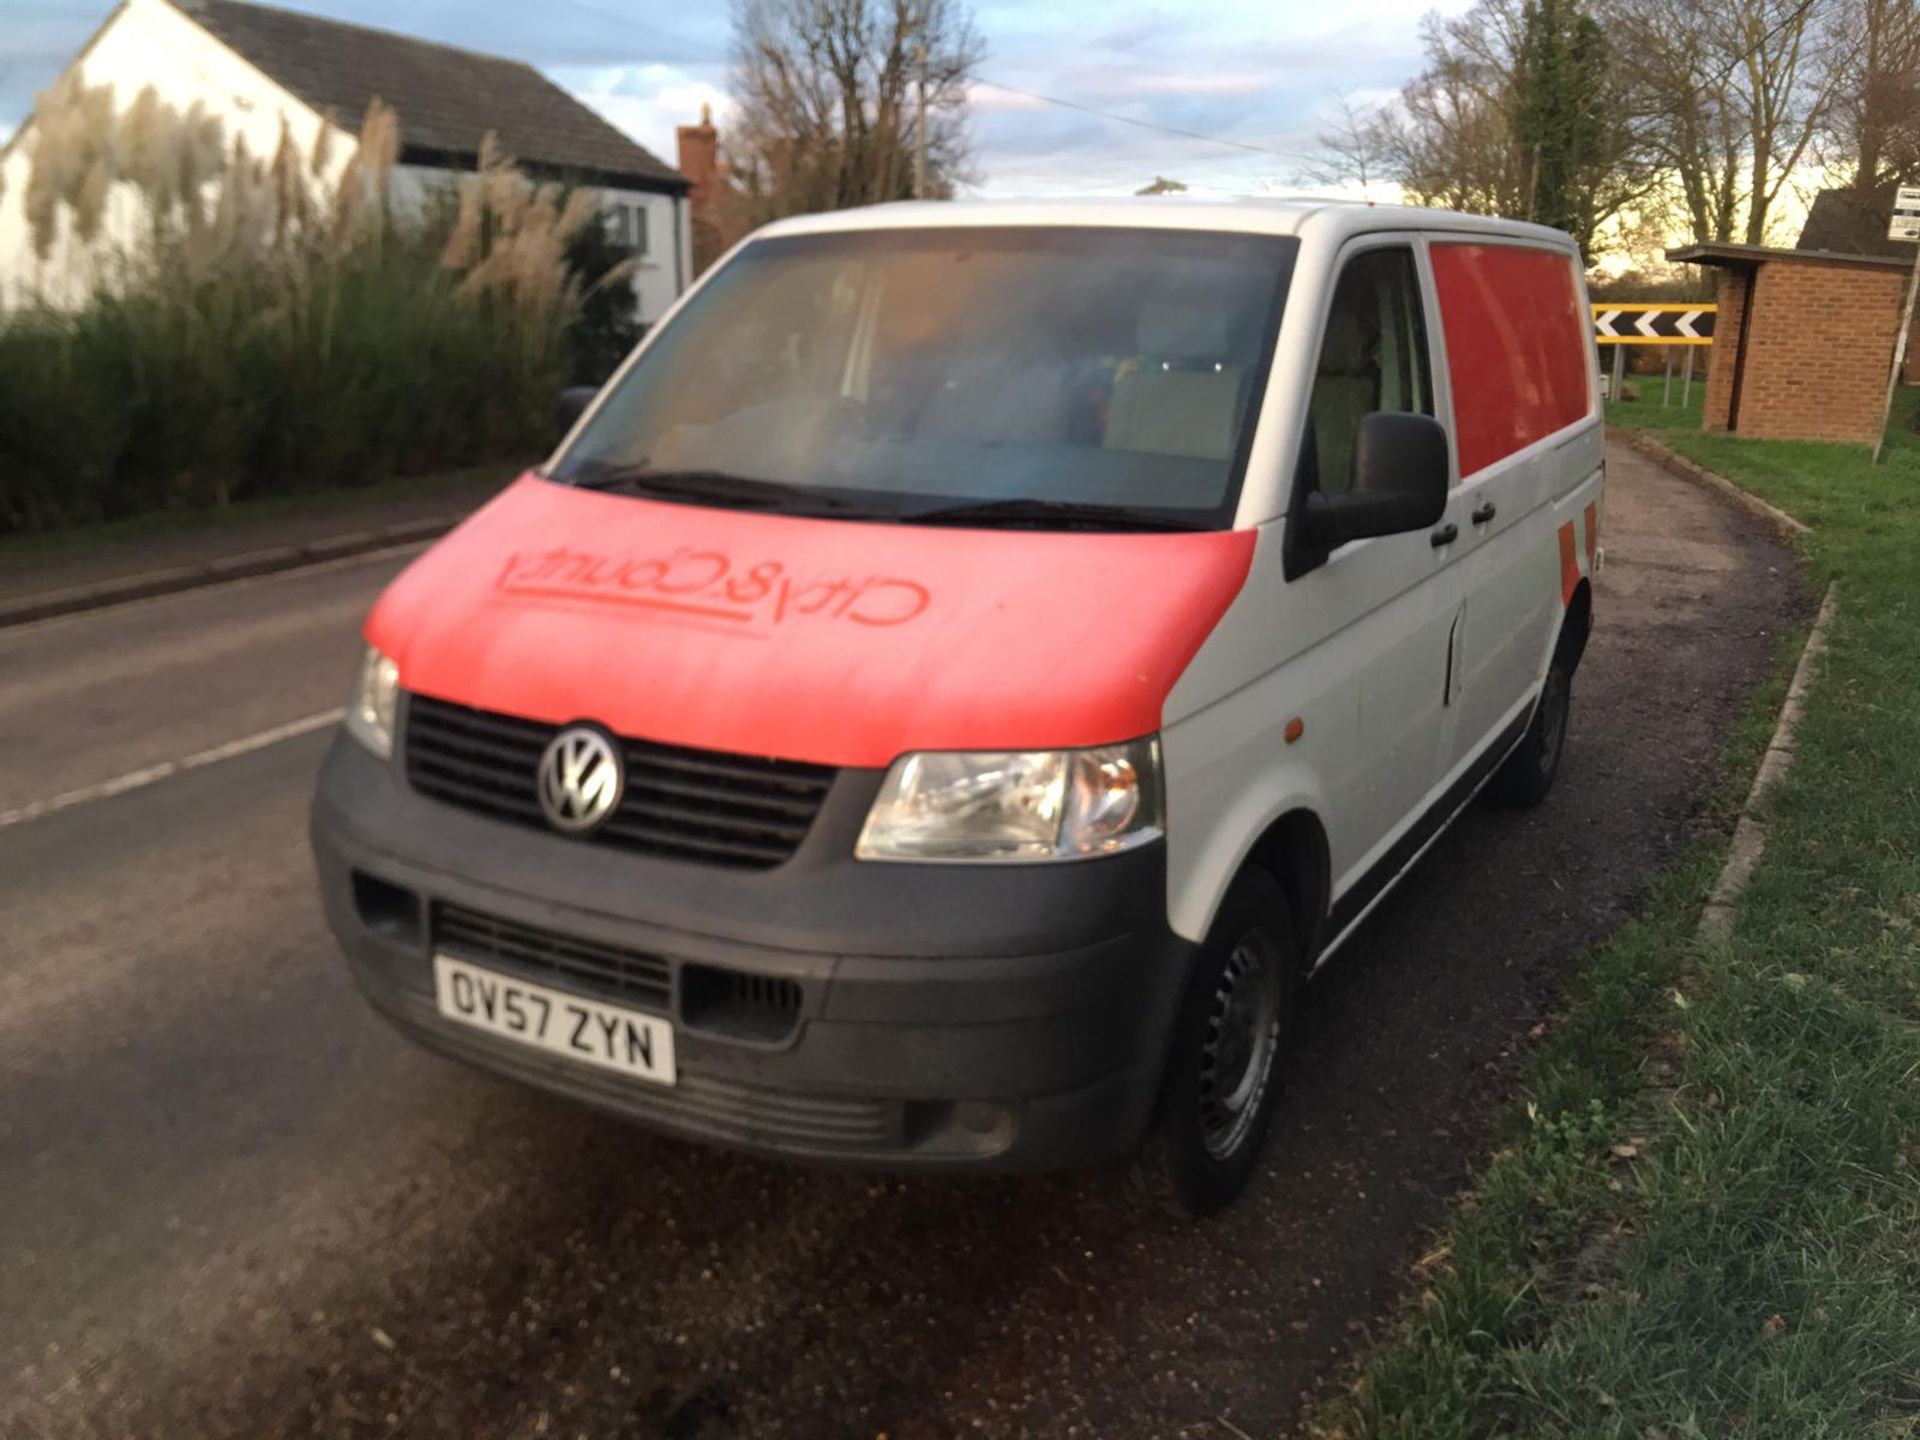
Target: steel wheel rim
1242 1040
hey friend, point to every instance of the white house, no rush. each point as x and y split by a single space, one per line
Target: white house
253 66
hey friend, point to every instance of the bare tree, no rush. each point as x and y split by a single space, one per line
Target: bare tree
1679 87
1357 148
1732 96
1784 90
1451 139
1579 111
1451 144
1517 113
1872 65
830 92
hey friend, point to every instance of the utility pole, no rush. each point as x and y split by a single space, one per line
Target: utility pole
1905 226
1899 358
920 130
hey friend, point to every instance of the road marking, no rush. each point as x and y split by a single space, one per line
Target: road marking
153 774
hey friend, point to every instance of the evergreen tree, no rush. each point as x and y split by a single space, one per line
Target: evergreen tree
1563 95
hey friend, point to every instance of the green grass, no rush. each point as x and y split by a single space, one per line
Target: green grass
1645 410
1752 1266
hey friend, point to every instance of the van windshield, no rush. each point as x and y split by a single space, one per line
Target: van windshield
1048 377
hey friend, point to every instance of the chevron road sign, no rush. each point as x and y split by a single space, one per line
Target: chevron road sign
1671 324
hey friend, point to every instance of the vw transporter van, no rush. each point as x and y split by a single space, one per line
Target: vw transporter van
967 669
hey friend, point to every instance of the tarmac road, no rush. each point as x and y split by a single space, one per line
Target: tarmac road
233 1203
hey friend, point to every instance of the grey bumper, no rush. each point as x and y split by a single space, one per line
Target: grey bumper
901 1016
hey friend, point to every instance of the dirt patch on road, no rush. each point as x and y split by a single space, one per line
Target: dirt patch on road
615 1285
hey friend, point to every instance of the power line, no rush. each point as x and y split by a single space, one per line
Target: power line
598 9
1142 124
1798 13
703 53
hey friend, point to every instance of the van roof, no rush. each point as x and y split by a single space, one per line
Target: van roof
1323 219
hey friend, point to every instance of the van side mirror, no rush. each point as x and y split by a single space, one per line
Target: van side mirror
572 404
1399 483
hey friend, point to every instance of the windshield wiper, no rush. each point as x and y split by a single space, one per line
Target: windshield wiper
713 487
1047 514
719 487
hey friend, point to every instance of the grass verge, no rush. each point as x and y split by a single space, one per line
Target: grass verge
1647 410
1705 1218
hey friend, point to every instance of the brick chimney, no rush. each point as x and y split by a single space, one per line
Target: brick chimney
700 158
711 199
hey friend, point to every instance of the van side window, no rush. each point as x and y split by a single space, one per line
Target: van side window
1373 356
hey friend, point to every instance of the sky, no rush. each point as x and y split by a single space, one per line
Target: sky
1265 73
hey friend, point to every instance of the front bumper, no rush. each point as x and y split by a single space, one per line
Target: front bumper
901 1016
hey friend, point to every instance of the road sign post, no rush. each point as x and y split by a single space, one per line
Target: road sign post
1905 225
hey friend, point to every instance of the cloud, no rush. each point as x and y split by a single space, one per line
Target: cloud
651 114
1214 84
984 98
1248 70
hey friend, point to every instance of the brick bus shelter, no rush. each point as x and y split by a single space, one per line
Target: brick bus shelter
1802 340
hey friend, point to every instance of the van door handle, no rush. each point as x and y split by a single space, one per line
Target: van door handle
1485 513
1445 535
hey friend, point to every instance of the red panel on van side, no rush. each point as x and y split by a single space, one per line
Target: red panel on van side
836 642
1516 345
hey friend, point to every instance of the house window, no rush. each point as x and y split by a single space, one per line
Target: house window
627 222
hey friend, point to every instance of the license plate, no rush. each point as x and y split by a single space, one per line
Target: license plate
589 1031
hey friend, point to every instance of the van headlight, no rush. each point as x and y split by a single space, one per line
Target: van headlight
1016 805
375 696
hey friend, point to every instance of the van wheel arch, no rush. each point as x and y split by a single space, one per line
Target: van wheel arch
1293 850
1575 627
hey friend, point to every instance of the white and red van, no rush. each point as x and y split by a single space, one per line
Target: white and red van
969 666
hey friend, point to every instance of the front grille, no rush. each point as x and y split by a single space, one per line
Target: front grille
739 1003
609 970
700 805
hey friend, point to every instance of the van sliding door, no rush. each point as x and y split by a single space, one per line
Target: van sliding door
1527 432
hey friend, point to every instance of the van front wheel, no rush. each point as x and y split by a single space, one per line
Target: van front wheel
1528 774
1222 1068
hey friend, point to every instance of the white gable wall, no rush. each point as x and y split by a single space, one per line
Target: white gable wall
655 283
148 42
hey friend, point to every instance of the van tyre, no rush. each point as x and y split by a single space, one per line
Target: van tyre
1528 774
1223 1064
